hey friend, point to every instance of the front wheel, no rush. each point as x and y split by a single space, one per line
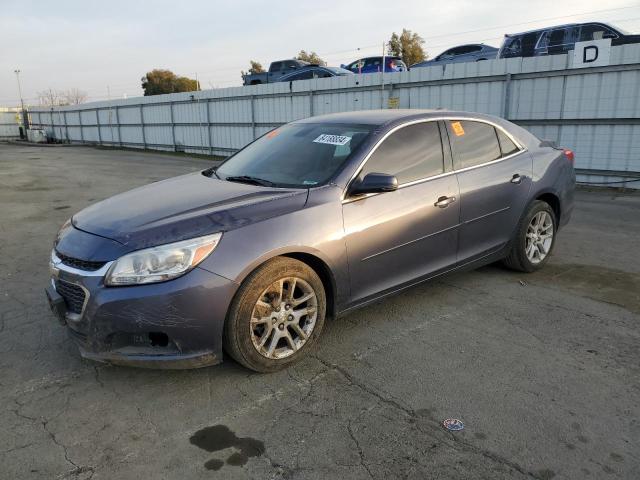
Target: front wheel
534 239
276 316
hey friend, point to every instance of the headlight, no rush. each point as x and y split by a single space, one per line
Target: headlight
161 263
64 226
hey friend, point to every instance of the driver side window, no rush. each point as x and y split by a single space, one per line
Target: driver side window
411 153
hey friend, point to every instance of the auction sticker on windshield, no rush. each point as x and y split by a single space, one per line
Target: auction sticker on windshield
332 139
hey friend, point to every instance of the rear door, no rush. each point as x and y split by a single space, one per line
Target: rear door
395 237
557 41
494 177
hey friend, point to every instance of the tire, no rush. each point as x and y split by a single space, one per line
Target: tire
518 259
252 319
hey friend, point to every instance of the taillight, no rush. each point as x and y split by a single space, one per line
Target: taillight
569 154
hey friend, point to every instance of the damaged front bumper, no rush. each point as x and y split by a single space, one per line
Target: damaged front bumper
174 324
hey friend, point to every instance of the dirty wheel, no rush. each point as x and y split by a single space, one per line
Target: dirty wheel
276 316
534 240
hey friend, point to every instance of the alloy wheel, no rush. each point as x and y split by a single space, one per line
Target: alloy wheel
539 237
284 317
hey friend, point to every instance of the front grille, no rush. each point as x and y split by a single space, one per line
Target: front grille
80 264
73 295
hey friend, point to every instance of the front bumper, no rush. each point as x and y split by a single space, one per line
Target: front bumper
174 324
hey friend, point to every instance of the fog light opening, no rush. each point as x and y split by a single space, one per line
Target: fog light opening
158 339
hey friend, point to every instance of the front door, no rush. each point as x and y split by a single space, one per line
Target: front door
397 237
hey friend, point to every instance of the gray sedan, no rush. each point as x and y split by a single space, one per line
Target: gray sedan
313 219
473 52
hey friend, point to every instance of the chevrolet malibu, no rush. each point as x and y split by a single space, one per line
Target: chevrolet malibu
310 221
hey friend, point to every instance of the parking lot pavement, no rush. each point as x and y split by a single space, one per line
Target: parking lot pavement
543 369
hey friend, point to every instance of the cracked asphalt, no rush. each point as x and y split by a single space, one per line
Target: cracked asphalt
543 369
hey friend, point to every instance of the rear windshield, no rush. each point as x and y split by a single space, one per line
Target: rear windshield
297 155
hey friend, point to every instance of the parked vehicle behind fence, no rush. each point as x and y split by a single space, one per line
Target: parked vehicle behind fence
374 64
464 53
276 70
561 39
311 220
314 71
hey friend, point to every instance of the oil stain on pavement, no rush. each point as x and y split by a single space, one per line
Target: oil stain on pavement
219 437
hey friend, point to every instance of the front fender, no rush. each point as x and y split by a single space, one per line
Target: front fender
315 230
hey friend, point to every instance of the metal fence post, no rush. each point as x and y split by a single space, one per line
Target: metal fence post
81 128
206 105
173 127
98 123
118 123
311 103
66 126
506 97
253 118
144 138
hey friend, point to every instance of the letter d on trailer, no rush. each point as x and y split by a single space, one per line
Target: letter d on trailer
593 53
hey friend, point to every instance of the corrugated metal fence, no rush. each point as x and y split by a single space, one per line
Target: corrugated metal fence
594 111
9 123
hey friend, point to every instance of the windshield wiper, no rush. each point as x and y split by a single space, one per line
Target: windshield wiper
251 180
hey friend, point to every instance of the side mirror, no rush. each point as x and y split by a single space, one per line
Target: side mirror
375 183
608 35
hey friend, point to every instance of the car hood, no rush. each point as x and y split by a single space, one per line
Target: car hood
184 207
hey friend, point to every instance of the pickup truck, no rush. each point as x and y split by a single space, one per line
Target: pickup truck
276 70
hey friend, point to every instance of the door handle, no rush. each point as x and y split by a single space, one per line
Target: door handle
443 202
517 179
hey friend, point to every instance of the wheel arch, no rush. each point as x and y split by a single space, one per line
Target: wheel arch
553 200
325 274
319 265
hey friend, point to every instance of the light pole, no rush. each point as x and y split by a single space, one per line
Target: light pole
24 123
17 72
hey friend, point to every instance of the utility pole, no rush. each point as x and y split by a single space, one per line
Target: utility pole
24 122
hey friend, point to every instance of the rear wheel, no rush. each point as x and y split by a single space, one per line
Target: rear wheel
534 240
276 316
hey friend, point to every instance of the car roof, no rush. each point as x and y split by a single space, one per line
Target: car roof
312 66
379 56
384 117
471 45
565 25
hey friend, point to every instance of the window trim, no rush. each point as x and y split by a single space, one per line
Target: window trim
600 25
495 133
444 159
521 148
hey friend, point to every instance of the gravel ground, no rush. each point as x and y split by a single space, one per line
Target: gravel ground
543 369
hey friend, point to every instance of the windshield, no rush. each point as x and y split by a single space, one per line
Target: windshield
339 71
297 155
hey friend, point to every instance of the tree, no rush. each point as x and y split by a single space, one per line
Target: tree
255 67
311 57
158 82
74 96
407 45
51 98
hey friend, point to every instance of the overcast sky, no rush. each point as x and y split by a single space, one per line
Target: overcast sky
90 45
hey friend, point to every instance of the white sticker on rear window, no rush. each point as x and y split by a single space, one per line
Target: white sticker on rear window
332 139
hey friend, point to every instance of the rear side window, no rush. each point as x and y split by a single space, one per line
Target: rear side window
594 32
465 49
411 153
473 143
506 144
301 76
